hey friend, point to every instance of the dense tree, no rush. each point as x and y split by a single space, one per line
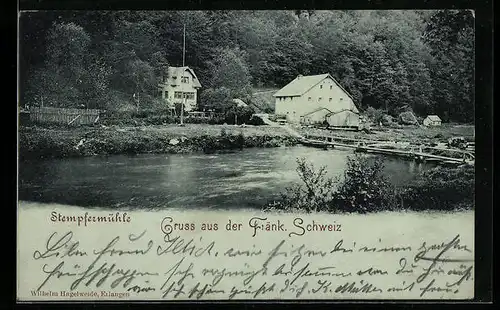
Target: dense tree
450 35
59 81
230 70
392 60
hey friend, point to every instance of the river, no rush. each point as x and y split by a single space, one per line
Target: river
242 179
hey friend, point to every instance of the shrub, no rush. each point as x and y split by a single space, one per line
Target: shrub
441 189
408 118
313 194
256 121
375 115
364 188
241 115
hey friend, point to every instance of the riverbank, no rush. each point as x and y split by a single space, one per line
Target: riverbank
61 142
412 134
57 142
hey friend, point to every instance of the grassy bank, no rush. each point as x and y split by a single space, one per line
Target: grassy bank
38 142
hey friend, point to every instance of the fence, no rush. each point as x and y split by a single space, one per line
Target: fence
204 115
64 116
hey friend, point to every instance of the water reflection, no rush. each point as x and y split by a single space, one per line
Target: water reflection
247 178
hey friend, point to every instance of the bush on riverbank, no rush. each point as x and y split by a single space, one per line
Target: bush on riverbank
364 189
162 116
441 189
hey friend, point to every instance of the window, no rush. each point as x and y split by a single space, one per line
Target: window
331 86
185 79
321 86
309 99
166 94
341 98
319 98
159 92
178 95
330 99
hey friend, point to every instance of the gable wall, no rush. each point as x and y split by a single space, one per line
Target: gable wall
170 90
299 106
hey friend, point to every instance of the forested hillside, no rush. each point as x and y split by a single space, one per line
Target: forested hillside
392 60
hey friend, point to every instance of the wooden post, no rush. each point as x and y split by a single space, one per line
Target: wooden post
183 70
71 122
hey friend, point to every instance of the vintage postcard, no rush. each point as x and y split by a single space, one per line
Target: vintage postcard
246 155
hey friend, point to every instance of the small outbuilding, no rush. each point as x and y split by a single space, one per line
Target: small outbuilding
315 117
343 118
432 120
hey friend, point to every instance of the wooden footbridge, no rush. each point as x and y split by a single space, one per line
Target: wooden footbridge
400 149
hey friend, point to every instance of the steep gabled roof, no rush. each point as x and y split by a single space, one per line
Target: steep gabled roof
317 110
434 118
301 84
343 110
174 75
